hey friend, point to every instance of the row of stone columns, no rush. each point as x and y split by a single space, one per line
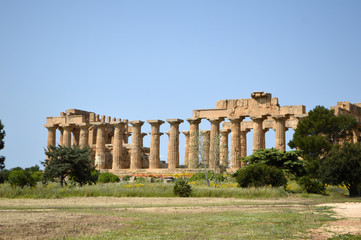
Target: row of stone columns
210 141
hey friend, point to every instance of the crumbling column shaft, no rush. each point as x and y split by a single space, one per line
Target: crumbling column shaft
83 138
173 143
205 146
243 142
257 133
224 148
67 136
280 142
154 155
135 156
51 136
235 143
100 147
214 142
194 142
118 162
186 148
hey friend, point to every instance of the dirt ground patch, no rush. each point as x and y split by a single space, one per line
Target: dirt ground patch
350 221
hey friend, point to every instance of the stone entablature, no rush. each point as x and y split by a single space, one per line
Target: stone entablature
108 137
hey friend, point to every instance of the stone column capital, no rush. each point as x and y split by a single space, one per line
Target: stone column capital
136 123
194 120
215 120
259 118
186 133
225 131
174 121
280 117
246 130
117 124
205 131
155 122
236 119
143 134
51 127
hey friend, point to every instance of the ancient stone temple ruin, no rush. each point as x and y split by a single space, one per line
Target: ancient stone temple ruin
108 137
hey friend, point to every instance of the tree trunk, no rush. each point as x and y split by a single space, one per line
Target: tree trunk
354 190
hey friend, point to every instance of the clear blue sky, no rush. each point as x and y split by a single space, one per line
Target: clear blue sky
145 60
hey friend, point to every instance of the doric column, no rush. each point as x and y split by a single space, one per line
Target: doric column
100 146
214 141
235 142
61 130
280 132
126 131
141 137
173 143
243 141
135 156
355 135
257 132
154 155
83 137
193 142
205 134
91 136
224 147
186 147
67 136
264 137
51 136
118 161
76 133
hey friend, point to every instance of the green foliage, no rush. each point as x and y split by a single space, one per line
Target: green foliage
108 178
4 175
310 185
21 178
182 188
316 134
342 166
289 161
259 175
72 162
2 144
126 178
201 176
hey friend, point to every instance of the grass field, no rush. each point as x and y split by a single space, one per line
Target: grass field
151 211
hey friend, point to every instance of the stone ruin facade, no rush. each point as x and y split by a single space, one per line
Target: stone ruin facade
108 137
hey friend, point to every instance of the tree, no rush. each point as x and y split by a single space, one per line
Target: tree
72 162
21 178
343 166
288 161
316 133
2 144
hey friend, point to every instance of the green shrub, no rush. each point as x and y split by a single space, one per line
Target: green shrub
310 185
4 175
21 178
201 176
126 178
259 175
182 188
37 176
107 178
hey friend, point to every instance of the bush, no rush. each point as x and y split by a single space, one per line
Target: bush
126 178
108 178
310 185
201 176
259 175
21 178
182 188
4 175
